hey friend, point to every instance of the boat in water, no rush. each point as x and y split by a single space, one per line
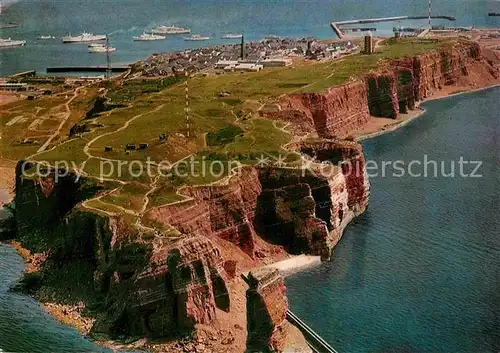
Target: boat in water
232 36
272 37
101 49
84 37
46 37
9 43
148 37
196 37
170 30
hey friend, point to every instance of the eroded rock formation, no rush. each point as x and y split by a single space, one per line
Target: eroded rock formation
266 311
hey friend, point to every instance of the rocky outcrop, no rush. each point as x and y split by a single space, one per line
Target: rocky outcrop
222 210
182 287
303 209
382 95
340 111
332 114
266 311
306 210
134 287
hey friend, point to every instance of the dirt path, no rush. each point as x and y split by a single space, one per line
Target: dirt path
65 119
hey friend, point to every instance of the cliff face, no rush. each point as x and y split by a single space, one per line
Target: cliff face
333 113
266 311
304 210
342 110
225 211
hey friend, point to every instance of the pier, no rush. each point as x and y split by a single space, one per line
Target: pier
87 69
338 31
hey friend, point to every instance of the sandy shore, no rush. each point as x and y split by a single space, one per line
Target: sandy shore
295 264
380 126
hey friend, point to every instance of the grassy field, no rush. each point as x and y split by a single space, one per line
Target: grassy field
223 127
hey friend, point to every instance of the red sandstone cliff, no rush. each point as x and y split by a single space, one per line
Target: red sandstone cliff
302 209
340 111
266 311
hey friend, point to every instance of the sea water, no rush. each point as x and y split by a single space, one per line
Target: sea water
420 270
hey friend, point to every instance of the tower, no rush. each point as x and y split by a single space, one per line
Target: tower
430 5
242 54
108 59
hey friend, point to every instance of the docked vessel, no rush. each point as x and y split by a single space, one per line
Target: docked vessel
232 36
148 36
84 37
170 30
196 37
8 43
101 49
46 37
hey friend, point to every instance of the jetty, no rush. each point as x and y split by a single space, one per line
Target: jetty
87 69
339 32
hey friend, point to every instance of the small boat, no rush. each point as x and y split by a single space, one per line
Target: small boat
196 37
148 37
101 49
493 14
232 36
46 37
92 45
84 37
272 37
9 43
163 29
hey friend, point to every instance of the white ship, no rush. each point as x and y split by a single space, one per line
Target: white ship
84 37
46 37
101 49
8 43
196 37
170 30
147 37
232 36
91 45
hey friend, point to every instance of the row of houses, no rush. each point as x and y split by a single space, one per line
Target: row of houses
251 65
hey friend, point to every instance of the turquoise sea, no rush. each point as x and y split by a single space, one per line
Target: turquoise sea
418 273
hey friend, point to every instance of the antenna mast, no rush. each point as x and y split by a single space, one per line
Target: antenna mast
108 59
430 6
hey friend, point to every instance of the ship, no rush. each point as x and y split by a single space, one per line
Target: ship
9 43
272 37
170 30
494 14
196 37
84 37
232 36
101 49
148 37
46 37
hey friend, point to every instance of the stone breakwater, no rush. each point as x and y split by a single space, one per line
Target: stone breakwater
393 90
